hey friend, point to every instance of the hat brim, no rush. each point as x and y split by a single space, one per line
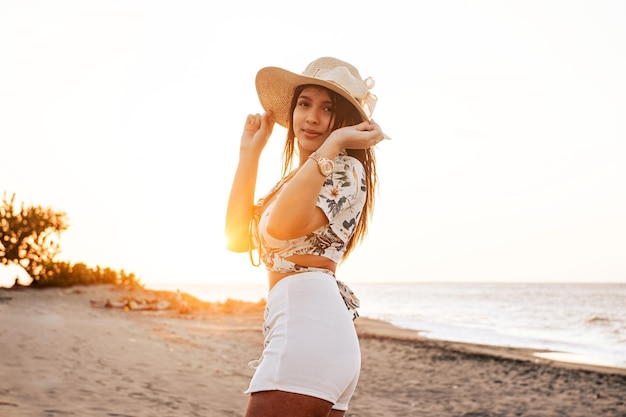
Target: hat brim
276 86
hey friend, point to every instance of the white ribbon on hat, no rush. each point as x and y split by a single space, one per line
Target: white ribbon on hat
359 89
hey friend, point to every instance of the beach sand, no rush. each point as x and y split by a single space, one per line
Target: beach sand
63 352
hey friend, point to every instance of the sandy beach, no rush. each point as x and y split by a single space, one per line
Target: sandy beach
108 351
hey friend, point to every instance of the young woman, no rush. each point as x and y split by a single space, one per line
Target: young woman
302 229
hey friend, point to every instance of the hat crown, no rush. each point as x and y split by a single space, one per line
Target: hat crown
345 76
328 63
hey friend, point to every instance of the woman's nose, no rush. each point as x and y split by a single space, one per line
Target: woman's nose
312 117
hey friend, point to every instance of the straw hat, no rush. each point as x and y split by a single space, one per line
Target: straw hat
276 86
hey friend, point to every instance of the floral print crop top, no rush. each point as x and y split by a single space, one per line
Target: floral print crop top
341 197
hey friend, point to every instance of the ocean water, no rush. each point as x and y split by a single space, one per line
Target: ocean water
585 322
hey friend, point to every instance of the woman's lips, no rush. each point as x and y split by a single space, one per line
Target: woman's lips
310 133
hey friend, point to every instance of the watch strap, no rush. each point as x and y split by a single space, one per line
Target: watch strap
324 164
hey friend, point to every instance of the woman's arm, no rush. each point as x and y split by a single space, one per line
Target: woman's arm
241 200
295 212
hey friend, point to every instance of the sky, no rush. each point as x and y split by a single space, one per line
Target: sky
507 118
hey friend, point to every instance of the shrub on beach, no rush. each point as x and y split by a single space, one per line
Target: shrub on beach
29 235
64 274
29 238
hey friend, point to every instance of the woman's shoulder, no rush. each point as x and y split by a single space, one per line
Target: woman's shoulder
344 162
348 175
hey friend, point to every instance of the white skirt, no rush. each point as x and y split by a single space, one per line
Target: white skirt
311 345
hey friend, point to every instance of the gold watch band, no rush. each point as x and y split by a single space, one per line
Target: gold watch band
325 165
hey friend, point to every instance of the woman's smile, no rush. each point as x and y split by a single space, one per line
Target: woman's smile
310 133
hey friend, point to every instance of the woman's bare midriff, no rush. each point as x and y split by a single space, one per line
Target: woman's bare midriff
305 260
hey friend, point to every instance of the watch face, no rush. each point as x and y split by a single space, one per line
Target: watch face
326 167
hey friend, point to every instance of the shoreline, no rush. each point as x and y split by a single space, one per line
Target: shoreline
64 349
379 329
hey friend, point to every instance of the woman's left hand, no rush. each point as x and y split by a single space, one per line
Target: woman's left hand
361 136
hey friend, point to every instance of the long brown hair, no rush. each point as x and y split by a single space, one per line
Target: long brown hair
344 114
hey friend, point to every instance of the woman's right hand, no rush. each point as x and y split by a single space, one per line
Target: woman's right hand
256 132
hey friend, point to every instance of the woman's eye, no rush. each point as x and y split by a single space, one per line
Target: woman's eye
328 109
303 104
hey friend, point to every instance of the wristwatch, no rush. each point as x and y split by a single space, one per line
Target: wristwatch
325 165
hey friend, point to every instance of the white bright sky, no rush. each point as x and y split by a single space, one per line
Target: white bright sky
508 121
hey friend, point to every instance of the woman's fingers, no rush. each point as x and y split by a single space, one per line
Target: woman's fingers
267 123
385 136
257 121
253 122
256 131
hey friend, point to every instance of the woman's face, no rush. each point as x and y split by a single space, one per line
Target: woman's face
313 117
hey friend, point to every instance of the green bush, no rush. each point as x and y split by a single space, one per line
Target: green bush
64 274
29 237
